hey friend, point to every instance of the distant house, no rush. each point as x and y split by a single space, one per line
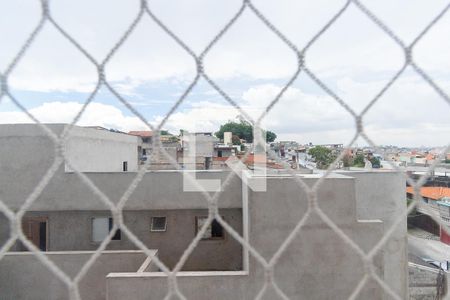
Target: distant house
221 150
406 158
197 150
436 203
429 158
146 141
429 193
146 136
148 150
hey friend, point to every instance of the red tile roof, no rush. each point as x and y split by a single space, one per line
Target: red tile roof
141 133
431 192
429 156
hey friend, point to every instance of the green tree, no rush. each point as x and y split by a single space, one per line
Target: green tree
359 161
244 130
375 162
322 156
270 136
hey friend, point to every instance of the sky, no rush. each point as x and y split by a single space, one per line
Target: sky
354 58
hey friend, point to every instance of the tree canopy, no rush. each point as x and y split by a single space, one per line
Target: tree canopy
244 130
376 163
359 161
322 156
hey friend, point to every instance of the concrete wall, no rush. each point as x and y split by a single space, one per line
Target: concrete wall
25 156
27 147
422 282
381 195
157 190
23 276
317 254
201 145
94 150
72 230
159 161
316 265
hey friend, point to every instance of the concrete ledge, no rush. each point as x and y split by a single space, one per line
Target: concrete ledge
423 267
152 171
148 264
219 285
179 274
23 276
25 253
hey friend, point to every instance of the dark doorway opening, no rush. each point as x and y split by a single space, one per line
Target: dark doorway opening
36 230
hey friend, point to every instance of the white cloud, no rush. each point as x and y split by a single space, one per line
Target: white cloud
410 113
351 47
96 114
296 112
203 116
354 56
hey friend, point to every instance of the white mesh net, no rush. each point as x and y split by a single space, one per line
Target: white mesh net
145 10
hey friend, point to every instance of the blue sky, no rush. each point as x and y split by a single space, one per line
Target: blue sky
354 58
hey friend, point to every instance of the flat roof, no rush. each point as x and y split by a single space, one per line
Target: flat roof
443 203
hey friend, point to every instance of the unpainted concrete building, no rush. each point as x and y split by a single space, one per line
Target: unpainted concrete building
67 216
151 156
